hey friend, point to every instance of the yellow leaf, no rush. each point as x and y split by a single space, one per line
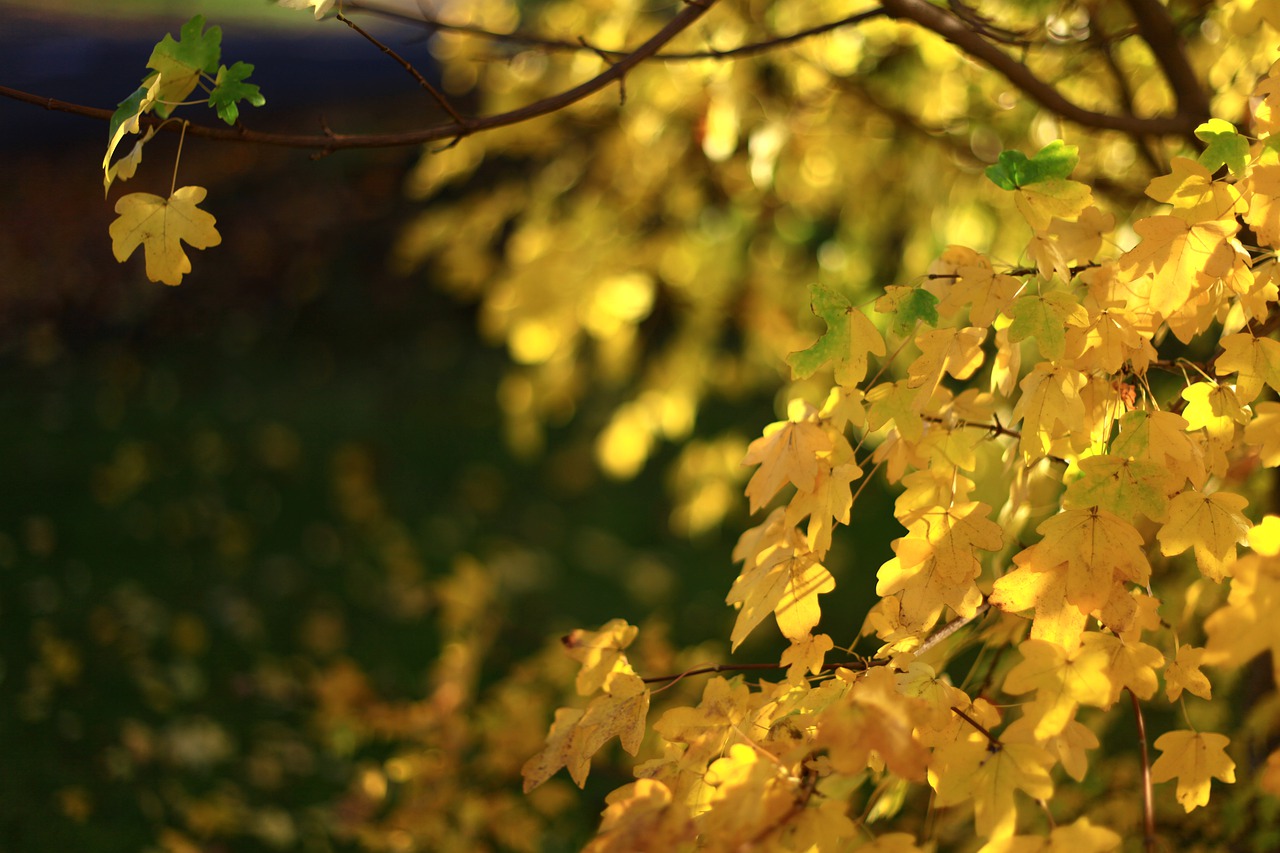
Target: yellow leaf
1130 664
1263 431
1038 584
1046 317
1122 486
874 717
1049 407
989 775
600 653
783 578
1184 673
1212 524
1079 837
1194 759
160 226
1059 198
787 452
1180 258
954 351
1161 437
1257 360
1061 679
986 292
1099 548
642 815
1194 194
806 655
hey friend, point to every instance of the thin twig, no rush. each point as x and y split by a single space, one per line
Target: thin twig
332 142
993 742
435 93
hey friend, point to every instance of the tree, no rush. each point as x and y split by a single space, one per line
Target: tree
1043 238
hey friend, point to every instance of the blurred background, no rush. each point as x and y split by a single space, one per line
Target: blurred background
274 573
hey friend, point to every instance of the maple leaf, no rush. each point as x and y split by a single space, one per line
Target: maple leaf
874 718
1193 192
229 89
829 502
642 816
1050 407
1256 360
783 580
973 769
1045 317
1130 664
724 705
1013 169
1183 673
909 306
787 452
1122 486
179 64
1180 258
1194 759
600 653
1098 548
1263 431
126 120
1043 202
160 226
1062 680
1212 524
954 351
1079 837
806 655
576 735
1081 240
1111 338
1224 146
893 401
1263 214
1037 584
1161 437
850 336
125 168
986 292
1249 623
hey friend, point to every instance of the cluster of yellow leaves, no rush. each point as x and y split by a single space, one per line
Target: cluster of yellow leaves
1098 476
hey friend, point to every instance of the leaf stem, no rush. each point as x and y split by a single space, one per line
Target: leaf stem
177 158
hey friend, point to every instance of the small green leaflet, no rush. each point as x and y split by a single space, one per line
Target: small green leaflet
229 89
1223 146
850 336
179 64
1045 318
126 114
916 305
1013 169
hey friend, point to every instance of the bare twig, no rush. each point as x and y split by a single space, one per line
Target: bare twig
435 133
435 93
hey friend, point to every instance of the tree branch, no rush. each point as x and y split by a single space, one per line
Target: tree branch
1157 30
694 10
953 30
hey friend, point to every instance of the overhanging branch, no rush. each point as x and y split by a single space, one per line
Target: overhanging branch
955 31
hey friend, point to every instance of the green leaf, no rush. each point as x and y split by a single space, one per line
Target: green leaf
1045 318
127 113
229 89
1013 169
915 306
179 64
848 339
1224 146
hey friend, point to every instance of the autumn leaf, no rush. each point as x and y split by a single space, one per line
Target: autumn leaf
1194 194
1256 360
1123 486
1180 258
1212 524
1263 431
1036 584
1194 759
1183 673
1079 837
577 735
986 292
957 352
1043 202
642 816
1131 664
894 402
1050 407
1161 437
1098 548
1045 317
600 653
875 717
973 769
788 451
785 579
908 307
850 336
806 655
1062 680
160 226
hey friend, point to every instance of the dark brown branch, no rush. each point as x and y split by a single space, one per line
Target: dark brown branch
953 30
1103 45
1148 803
1158 31
435 93
332 142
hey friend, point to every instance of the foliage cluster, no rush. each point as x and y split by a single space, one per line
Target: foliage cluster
1064 369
